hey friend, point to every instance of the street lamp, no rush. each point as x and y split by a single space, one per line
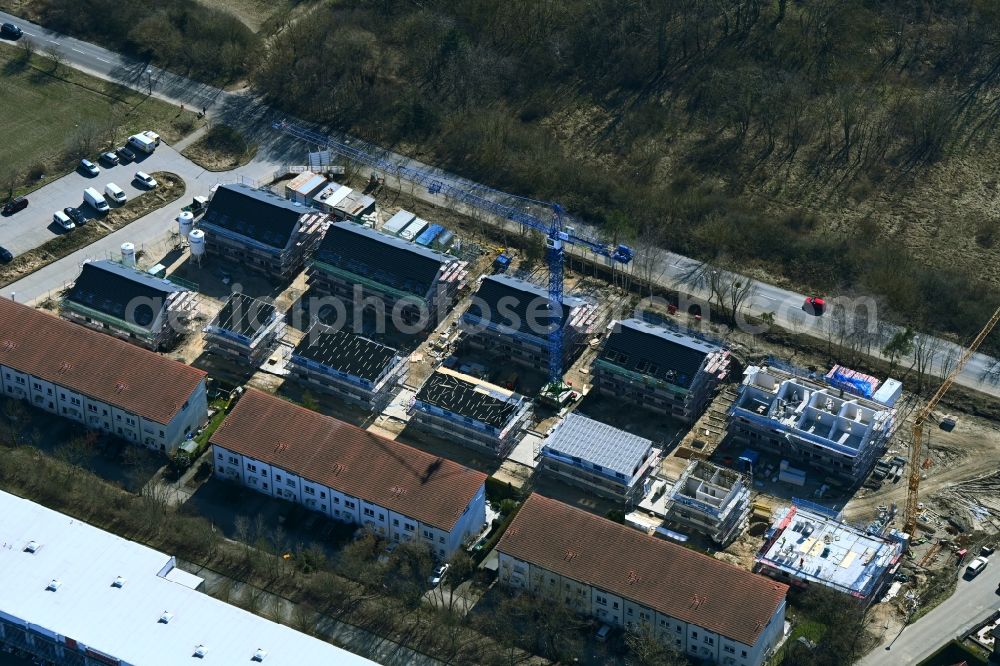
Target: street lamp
149 75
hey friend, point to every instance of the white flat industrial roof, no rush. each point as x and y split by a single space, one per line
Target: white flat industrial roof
125 622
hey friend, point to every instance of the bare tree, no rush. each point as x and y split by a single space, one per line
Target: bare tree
730 292
650 254
28 48
85 139
647 649
57 58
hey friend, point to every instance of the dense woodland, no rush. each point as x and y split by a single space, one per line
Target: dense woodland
811 142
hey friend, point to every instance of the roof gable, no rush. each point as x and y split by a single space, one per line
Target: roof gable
516 305
656 351
255 214
386 259
121 292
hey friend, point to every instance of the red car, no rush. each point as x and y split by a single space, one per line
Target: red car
814 305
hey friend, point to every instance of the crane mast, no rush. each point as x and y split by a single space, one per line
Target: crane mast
912 494
492 202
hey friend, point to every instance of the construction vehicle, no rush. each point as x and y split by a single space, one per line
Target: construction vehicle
916 450
506 207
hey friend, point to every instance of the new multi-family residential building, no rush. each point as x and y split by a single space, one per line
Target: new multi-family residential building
808 545
246 330
710 500
260 230
76 595
599 458
513 318
469 411
132 305
801 419
353 368
703 607
100 381
394 278
659 369
349 474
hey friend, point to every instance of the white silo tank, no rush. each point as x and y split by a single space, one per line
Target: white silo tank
196 241
128 254
185 223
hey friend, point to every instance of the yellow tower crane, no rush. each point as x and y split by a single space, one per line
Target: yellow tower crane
918 424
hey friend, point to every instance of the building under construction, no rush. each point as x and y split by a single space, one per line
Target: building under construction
659 369
392 277
129 304
470 412
353 368
808 544
710 500
806 420
512 318
260 230
599 458
246 330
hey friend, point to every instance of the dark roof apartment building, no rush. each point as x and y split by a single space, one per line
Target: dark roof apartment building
659 369
130 304
260 230
513 318
388 269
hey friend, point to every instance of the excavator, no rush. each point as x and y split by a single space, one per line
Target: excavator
916 448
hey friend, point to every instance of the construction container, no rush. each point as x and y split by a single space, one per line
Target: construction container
414 229
398 222
428 235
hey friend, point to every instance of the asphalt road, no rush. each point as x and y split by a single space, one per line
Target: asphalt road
254 119
972 602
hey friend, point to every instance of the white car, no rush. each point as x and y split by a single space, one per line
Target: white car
145 179
63 220
439 574
975 567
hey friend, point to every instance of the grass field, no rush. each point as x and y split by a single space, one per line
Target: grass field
47 107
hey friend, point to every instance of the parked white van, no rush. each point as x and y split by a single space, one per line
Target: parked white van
116 193
62 219
96 200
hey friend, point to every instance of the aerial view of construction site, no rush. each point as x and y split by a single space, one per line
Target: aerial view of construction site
284 394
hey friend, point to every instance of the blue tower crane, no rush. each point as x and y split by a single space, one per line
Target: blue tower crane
490 201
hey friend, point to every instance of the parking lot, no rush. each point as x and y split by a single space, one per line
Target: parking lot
33 226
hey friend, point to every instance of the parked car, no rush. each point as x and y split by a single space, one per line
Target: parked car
115 193
5 256
987 549
11 31
15 205
145 179
439 574
109 158
975 567
62 219
89 168
125 155
75 214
